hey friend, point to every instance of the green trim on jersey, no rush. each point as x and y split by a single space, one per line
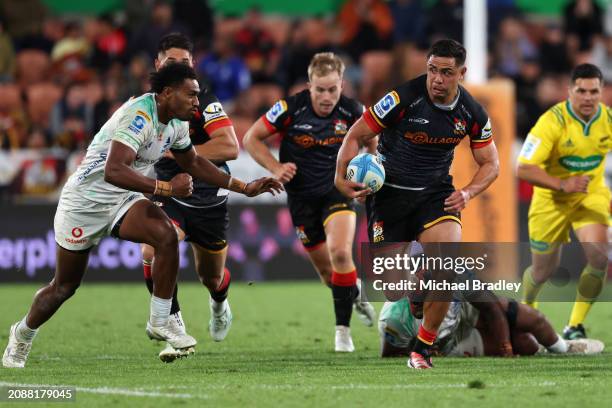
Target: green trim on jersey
586 126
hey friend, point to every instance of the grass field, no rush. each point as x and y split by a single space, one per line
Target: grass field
278 353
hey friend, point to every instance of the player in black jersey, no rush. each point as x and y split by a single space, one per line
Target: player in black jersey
420 123
313 124
202 219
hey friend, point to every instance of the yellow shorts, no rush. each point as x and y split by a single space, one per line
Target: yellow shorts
550 220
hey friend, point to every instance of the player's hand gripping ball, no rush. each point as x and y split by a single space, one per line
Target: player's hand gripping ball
367 169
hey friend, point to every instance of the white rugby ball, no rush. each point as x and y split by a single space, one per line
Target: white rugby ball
366 168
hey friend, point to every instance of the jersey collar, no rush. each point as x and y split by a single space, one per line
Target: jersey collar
586 126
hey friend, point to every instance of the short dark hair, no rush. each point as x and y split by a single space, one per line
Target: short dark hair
586 71
450 49
171 75
175 40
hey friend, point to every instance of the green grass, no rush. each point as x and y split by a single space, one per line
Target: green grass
278 353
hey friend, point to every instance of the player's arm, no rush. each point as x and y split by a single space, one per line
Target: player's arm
487 160
222 146
118 171
358 135
493 318
254 144
203 169
537 176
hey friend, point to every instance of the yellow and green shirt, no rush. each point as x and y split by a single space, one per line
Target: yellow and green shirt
564 145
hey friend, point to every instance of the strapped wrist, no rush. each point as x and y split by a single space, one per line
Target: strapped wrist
163 188
237 186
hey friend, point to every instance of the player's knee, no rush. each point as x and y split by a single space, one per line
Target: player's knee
340 256
212 282
164 236
598 261
64 291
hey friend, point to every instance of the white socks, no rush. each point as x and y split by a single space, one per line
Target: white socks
160 310
560 346
24 333
217 307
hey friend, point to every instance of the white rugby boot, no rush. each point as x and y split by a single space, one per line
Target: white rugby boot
177 339
344 341
364 310
220 322
16 352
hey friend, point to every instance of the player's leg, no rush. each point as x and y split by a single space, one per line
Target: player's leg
434 311
69 270
210 266
543 265
320 260
594 240
144 222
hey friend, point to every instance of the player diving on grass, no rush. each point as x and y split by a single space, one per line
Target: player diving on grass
313 124
564 158
105 197
202 218
420 123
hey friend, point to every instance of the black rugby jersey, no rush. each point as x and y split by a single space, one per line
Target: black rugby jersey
310 141
418 139
208 118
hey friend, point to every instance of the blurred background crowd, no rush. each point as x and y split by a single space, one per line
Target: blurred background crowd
62 74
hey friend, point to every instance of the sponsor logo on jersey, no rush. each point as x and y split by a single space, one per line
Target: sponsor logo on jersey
308 141
378 232
577 163
386 104
94 164
340 127
137 124
77 232
487 130
213 111
530 146
420 121
276 110
424 138
568 143
304 126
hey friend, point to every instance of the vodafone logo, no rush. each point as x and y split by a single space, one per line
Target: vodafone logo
77 232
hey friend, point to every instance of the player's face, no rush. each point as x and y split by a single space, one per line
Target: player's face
173 55
325 92
183 100
443 76
585 95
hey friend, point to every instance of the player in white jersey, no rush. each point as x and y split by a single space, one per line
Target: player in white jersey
104 197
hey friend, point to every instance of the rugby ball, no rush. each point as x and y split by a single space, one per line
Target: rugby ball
367 169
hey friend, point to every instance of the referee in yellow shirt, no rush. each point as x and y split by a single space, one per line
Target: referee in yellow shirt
564 158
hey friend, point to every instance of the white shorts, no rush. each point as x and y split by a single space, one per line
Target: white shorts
470 346
81 223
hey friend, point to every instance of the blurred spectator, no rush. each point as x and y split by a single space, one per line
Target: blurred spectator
109 102
146 37
72 118
602 57
409 21
69 55
110 43
198 17
13 119
23 18
224 72
583 22
49 32
446 20
7 56
526 96
256 47
553 51
512 47
306 38
137 80
365 25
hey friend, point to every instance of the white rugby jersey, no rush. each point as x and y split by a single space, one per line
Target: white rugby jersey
135 124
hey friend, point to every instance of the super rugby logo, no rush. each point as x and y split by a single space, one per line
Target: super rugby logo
276 110
530 146
213 111
137 124
386 104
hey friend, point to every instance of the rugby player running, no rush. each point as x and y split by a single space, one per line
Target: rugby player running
202 218
313 124
105 196
420 123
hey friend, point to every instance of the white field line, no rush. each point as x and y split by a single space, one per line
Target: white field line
135 392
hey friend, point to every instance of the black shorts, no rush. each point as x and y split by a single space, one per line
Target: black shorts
206 227
310 215
398 215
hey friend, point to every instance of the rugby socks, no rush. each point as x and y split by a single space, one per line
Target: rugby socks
344 290
590 285
530 289
23 332
160 311
425 339
560 346
220 294
146 267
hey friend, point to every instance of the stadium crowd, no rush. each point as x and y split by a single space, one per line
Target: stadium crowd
61 77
